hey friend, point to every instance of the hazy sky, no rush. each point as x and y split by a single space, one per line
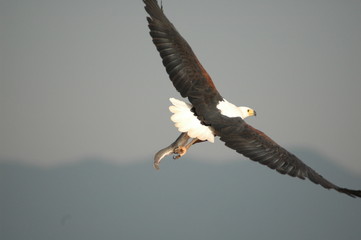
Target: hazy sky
82 78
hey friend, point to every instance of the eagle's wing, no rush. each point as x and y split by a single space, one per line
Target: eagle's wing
184 69
258 147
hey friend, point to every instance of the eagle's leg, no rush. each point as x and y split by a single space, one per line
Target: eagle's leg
181 150
180 141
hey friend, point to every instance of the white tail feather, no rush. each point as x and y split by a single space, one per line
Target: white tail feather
185 121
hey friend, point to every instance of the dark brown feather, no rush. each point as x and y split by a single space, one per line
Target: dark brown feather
258 147
185 71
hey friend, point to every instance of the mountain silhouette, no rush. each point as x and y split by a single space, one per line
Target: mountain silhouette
186 199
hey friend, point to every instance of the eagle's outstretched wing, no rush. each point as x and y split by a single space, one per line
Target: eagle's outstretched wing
258 147
185 71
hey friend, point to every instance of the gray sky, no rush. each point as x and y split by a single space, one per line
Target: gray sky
82 78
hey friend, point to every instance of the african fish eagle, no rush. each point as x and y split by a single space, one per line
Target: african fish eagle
190 127
192 81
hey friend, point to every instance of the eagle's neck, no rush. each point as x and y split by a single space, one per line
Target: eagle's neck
228 109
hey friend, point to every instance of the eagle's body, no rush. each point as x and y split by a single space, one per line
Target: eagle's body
193 82
187 122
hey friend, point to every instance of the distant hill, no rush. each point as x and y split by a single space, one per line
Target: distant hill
186 199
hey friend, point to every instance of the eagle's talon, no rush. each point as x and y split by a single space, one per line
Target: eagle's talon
180 151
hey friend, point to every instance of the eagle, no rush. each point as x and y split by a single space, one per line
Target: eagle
209 110
191 127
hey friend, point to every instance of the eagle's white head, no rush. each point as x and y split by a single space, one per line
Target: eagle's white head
246 112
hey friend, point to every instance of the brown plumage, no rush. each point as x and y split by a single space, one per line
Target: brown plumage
192 81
